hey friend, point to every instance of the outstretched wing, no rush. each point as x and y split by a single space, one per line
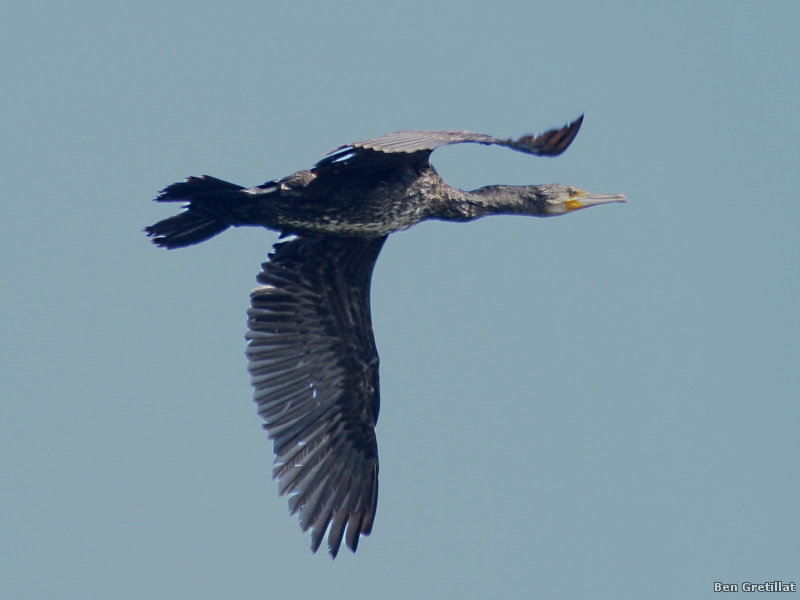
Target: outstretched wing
550 143
314 369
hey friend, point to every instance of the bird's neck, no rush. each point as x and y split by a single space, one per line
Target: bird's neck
461 205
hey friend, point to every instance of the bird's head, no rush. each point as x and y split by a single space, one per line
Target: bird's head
557 199
547 200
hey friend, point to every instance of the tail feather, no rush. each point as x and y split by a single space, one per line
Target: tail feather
184 190
186 229
196 224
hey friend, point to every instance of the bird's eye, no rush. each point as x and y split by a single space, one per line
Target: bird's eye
573 192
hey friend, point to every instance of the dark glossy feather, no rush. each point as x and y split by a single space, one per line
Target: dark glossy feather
194 225
314 368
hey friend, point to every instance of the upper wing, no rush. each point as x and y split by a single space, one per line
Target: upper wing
314 367
550 143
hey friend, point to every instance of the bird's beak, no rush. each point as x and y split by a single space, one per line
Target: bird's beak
585 200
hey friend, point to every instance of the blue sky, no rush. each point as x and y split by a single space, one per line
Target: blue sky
603 405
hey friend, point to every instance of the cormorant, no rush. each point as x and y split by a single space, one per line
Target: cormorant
311 351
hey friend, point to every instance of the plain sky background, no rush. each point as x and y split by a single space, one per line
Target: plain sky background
603 405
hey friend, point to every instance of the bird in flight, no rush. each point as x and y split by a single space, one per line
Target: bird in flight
311 351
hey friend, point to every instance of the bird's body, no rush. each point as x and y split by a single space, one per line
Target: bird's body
334 202
311 351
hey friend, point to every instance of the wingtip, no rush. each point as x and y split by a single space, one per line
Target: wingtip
551 143
558 140
156 239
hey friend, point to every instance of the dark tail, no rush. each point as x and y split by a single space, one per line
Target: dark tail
198 222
